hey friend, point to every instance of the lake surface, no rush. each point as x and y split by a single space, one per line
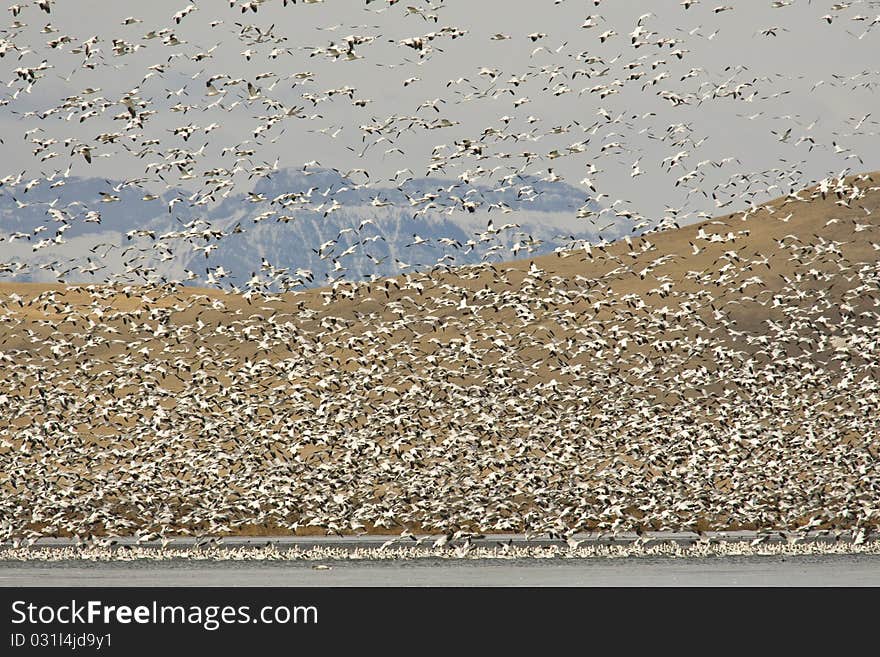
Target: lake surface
813 570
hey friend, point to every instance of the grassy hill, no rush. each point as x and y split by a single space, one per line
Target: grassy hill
722 375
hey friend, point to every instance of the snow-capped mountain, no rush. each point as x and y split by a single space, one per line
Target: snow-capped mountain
313 226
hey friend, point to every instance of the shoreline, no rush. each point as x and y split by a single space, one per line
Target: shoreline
489 547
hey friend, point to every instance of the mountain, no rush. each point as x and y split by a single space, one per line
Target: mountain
279 228
47 232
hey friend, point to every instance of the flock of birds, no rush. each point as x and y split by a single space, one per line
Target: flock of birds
711 376
320 555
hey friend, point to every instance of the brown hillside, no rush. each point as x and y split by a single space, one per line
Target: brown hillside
722 375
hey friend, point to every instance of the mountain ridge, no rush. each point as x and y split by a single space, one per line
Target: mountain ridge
379 231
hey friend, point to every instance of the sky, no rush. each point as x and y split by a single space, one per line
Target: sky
724 95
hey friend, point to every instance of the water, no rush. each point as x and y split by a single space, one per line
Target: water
813 570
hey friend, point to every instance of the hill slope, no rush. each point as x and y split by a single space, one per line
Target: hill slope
723 375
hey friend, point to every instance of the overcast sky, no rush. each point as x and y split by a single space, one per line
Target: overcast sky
721 50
